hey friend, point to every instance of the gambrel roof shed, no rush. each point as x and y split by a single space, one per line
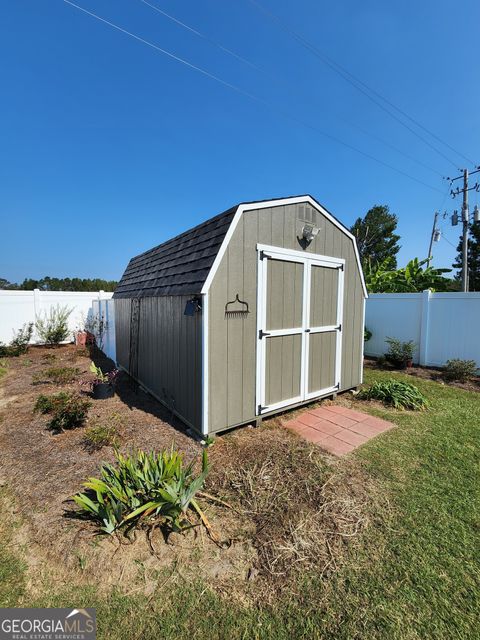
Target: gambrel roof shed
255 310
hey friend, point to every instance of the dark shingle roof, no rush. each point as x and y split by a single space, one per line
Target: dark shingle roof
178 266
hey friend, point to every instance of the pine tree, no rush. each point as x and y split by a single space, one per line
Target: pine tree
473 258
376 239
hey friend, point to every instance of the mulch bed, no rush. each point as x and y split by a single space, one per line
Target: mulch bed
427 373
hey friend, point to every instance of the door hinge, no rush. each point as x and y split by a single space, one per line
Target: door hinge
307 330
260 409
341 267
339 328
262 254
262 334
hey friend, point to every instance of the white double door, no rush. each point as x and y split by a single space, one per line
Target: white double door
299 326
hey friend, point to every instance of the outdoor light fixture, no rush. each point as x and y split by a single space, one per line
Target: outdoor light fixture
192 307
309 232
476 214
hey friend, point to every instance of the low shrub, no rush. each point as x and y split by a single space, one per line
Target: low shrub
20 343
400 353
367 334
52 328
394 393
49 358
143 488
58 375
460 370
98 436
67 409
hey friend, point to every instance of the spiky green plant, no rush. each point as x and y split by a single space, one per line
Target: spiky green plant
143 487
401 395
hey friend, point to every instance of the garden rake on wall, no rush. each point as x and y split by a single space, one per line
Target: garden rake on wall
235 312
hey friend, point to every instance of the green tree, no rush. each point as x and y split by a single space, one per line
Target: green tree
473 258
5 284
68 284
376 237
411 278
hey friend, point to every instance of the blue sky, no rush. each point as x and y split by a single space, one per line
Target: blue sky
109 147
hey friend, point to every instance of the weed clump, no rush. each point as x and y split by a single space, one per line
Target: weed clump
57 375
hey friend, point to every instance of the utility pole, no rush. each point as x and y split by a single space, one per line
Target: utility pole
465 219
434 228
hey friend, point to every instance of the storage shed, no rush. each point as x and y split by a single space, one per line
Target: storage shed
256 310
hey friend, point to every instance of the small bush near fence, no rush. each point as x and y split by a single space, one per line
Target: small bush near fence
399 353
143 488
52 328
401 395
67 409
19 345
460 370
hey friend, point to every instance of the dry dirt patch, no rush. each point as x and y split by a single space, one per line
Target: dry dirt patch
293 510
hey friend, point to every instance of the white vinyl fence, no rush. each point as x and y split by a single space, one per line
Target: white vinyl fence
444 325
19 307
105 308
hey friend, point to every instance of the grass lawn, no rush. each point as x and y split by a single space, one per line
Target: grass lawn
413 573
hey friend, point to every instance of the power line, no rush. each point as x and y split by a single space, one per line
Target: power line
450 243
281 82
246 93
358 84
203 36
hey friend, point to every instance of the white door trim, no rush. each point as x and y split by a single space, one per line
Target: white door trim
294 255
338 328
308 260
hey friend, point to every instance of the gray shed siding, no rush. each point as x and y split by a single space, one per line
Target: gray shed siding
169 352
232 342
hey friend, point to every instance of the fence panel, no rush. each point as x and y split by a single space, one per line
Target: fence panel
443 325
106 310
392 315
454 324
19 307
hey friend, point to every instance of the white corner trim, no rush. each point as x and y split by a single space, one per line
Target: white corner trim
252 206
205 364
362 343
